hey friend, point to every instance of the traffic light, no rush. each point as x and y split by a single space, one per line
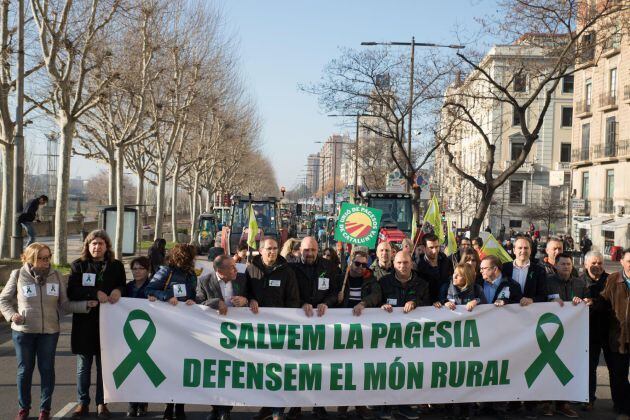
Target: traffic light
444 216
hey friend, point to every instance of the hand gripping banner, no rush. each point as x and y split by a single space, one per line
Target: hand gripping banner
156 352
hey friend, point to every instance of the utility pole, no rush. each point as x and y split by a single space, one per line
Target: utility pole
18 141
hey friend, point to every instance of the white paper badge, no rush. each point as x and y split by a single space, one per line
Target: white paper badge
241 268
29 290
392 302
52 289
179 290
274 283
89 279
505 293
323 283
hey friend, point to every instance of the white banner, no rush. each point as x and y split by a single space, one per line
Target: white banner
156 352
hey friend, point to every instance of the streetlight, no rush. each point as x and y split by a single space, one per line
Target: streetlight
413 45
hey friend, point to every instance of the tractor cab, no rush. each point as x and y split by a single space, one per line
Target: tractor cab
267 219
207 228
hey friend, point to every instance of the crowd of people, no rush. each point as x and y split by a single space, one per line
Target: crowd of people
303 276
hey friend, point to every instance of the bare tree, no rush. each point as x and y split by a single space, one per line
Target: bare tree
548 211
68 32
376 82
549 40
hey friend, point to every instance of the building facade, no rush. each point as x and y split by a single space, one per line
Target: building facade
312 173
545 175
601 136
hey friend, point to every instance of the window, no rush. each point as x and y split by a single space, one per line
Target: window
612 85
516 147
516 223
567 116
516 118
517 192
610 184
586 137
520 82
567 84
588 91
611 136
585 186
565 152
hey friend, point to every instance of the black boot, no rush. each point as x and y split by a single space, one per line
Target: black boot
168 412
179 412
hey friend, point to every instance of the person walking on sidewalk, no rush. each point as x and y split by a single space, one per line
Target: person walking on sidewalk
33 300
29 215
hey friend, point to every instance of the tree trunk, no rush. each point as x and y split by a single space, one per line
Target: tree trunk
480 213
111 196
6 222
174 201
140 202
60 251
120 202
194 209
160 201
208 198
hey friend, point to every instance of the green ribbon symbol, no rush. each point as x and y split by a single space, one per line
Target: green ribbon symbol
138 354
179 289
548 354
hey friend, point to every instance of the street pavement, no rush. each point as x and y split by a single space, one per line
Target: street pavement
65 392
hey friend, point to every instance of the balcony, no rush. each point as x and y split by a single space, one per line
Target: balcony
606 206
583 109
583 211
526 167
607 102
602 151
623 148
626 94
581 155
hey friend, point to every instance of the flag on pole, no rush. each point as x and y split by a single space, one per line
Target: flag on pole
434 218
252 232
414 226
451 247
492 247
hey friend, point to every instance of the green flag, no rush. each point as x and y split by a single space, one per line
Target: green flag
253 228
358 225
434 217
451 247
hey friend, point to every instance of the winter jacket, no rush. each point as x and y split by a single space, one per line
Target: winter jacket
616 296
599 317
436 277
535 283
559 288
317 282
83 273
171 282
30 212
42 302
371 295
139 293
272 287
397 295
209 290
462 297
380 272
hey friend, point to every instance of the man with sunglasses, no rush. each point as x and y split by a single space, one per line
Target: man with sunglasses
403 289
361 290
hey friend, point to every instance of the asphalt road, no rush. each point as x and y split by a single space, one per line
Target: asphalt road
65 392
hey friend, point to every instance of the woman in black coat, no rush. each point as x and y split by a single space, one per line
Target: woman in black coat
96 275
157 254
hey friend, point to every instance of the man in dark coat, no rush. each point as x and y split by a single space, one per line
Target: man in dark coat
382 265
434 266
271 284
530 276
96 275
29 215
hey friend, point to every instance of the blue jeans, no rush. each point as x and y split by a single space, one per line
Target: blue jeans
84 371
29 347
30 231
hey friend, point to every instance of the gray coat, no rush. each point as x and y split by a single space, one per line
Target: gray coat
209 290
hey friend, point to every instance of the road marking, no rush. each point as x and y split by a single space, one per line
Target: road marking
62 413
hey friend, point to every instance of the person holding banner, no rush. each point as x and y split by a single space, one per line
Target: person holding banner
359 287
382 266
403 289
616 296
32 301
173 283
497 289
96 275
271 284
463 289
434 266
531 277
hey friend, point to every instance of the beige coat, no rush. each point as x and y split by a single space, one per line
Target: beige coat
41 305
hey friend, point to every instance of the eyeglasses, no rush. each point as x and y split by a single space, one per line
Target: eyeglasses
360 264
487 268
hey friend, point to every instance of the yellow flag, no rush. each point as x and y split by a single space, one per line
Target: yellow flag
253 228
451 247
493 247
434 217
